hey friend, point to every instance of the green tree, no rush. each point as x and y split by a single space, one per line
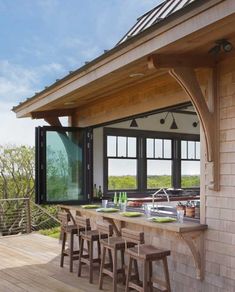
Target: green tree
16 171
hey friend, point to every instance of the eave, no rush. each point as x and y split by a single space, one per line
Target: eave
101 76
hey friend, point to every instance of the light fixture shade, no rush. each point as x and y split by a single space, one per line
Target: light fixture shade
174 125
133 124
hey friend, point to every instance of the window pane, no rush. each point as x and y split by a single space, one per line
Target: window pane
111 146
158 174
64 167
190 174
191 150
131 147
197 150
158 148
150 148
167 148
184 149
122 174
122 146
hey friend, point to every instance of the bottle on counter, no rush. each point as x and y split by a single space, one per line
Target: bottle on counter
100 194
95 192
126 198
115 199
120 199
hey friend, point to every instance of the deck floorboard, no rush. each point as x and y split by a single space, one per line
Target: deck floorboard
31 263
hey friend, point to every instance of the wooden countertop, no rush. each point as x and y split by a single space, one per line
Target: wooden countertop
141 221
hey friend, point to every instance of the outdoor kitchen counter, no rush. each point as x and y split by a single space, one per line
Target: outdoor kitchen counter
164 235
140 221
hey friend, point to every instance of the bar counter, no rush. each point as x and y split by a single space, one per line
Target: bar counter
184 239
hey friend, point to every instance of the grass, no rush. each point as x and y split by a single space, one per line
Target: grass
52 232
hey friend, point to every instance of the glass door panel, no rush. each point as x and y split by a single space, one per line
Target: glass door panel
61 165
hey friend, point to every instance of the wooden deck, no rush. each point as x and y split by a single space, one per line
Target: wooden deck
31 263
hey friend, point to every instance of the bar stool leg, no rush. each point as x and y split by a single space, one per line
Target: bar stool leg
71 253
150 276
91 262
101 268
145 276
99 249
166 273
110 260
63 234
114 253
129 267
123 267
80 257
137 277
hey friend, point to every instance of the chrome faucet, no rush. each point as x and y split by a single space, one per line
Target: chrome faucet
157 194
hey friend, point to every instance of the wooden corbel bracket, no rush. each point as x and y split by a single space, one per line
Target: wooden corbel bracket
182 69
194 241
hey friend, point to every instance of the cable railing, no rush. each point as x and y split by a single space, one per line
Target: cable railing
20 215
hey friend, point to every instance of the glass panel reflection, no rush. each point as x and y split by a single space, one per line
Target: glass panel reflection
64 166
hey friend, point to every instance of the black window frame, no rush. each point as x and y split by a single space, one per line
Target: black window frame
142 136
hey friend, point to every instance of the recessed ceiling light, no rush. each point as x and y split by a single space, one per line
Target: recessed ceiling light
136 75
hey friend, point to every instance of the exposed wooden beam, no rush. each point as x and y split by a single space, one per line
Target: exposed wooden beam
53 121
162 61
52 113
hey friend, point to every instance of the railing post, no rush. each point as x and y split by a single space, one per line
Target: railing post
28 215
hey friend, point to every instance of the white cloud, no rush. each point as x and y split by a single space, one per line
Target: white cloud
16 131
17 82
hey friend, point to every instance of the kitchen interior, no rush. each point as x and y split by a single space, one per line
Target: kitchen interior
154 158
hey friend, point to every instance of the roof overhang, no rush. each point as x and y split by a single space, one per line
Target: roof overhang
190 33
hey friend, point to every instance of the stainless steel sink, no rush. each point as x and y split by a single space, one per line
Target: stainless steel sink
167 210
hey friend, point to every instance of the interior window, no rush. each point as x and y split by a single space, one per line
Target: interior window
159 163
190 164
122 163
141 161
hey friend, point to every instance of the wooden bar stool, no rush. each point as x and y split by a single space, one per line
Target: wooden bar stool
90 237
68 229
113 245
147 254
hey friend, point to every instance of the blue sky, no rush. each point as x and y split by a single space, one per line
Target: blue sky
43 40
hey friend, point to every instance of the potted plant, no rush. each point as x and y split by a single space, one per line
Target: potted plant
190 209
180 206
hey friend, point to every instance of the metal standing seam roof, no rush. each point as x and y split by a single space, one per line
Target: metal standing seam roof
157 14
